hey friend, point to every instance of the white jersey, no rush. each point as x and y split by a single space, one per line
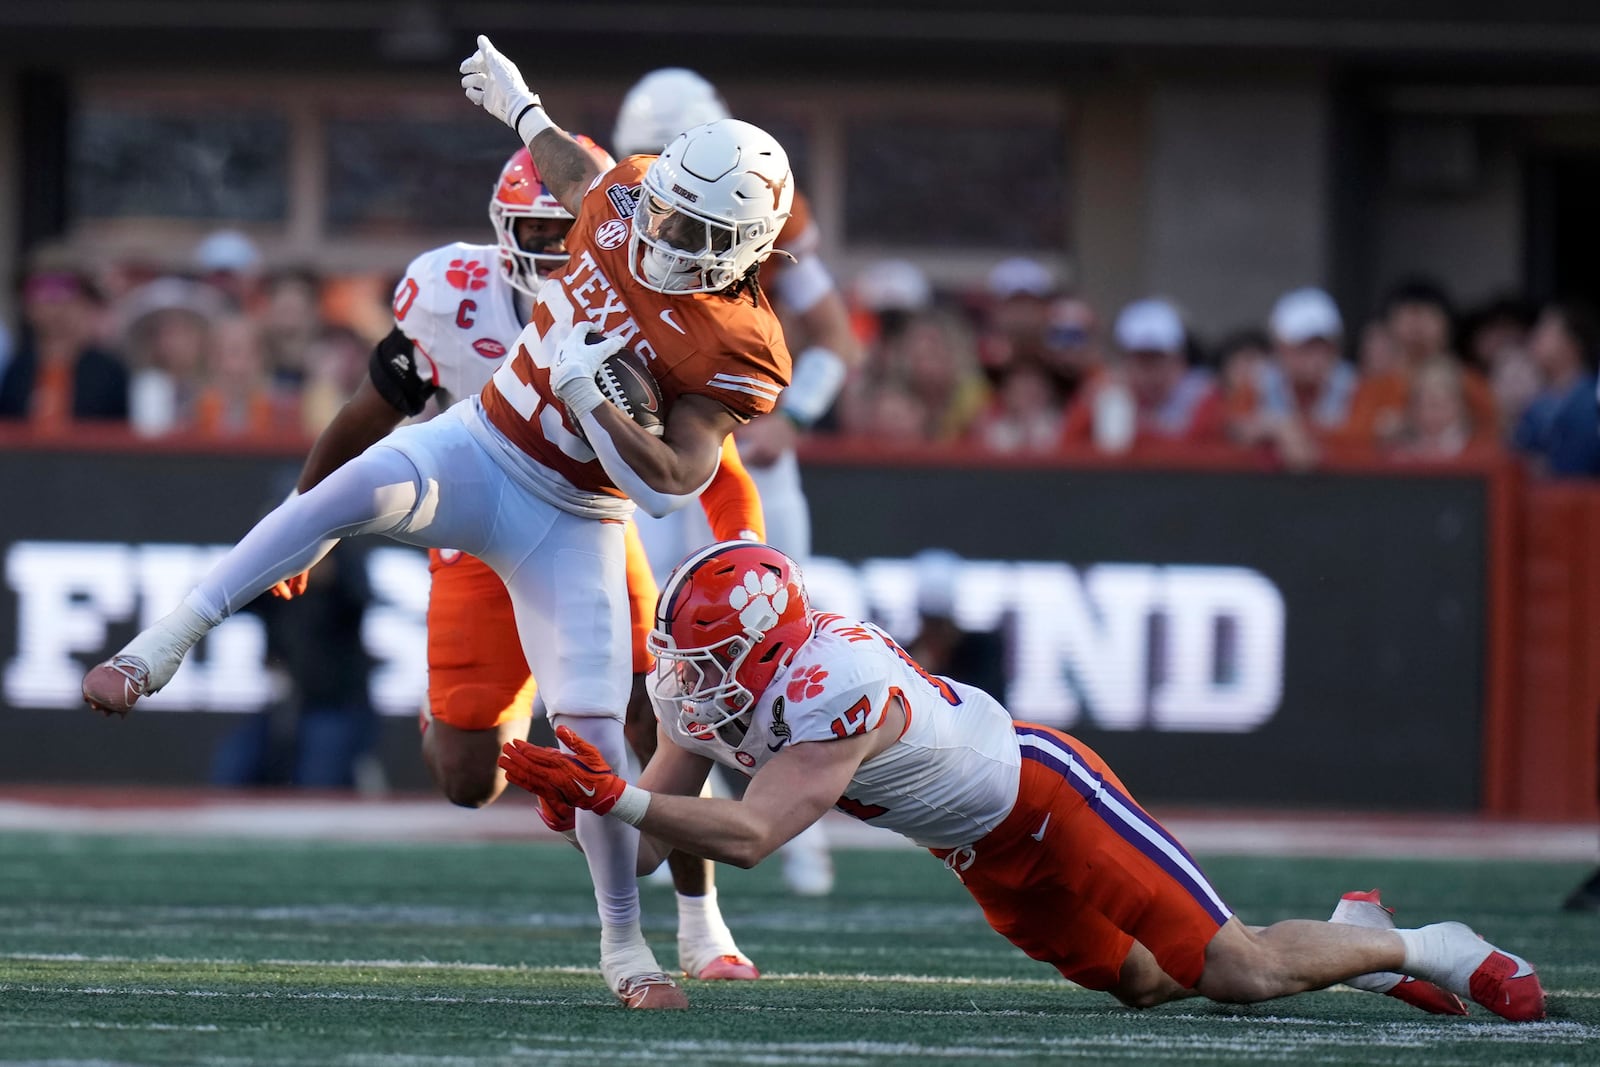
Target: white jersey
460 313
949 779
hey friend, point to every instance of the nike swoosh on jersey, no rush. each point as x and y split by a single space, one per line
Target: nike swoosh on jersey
666 317
774 748
585 790
1038 835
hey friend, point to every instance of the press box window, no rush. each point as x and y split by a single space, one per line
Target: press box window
139 163
921 183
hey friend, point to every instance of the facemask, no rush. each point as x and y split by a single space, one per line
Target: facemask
663 270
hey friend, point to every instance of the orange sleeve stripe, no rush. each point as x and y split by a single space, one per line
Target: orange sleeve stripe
731 503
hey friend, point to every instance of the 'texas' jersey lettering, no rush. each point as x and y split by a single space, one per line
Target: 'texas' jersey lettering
730 349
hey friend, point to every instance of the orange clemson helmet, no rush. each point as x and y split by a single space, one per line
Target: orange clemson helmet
520 193
730 617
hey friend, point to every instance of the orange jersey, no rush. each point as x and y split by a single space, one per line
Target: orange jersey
730 349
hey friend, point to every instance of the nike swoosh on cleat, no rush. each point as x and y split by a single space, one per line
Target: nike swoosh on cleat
585 790
1038 835
1524 968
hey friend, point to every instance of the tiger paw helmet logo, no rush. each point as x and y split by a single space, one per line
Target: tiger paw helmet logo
807 684
759 600
467 274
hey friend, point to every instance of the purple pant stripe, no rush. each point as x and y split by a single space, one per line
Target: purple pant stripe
1088 784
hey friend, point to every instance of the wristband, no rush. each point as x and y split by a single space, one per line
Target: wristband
581 397
631 805
531 121
818 375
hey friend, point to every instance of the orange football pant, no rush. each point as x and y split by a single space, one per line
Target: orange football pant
1078 871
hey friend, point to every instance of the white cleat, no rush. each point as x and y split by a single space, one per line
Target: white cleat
807 866
1367 909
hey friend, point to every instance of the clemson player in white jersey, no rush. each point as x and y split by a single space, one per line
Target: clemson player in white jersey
538 475
656 109
457 311
822 712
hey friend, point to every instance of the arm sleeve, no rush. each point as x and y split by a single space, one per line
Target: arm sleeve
802 283
654 502
732 506
398 375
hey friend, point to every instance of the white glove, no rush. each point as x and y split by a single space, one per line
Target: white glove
495 84
577 362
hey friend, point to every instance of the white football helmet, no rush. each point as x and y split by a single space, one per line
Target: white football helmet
710 208
661 105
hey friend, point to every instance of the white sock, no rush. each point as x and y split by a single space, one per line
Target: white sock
700 919
165 642
1439 953
624 952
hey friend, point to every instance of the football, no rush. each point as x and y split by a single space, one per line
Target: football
625 380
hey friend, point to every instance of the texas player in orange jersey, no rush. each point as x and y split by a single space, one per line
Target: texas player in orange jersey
452 319
664 254
816 321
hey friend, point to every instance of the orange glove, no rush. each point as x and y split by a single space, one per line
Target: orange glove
581 779
290 588
559 817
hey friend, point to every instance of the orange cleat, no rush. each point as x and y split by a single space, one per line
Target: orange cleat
1508 986
727 968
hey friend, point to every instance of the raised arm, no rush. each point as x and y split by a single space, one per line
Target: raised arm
493 82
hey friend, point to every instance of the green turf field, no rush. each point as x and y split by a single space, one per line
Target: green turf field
191 951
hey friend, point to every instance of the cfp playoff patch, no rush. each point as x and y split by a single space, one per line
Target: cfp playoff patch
780 729
624 198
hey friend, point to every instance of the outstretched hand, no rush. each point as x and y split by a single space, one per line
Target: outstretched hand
292 586
580 778
494 83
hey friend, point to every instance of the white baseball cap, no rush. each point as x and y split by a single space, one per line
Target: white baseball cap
893 285
227 250
1301 315
1151 325
1021 276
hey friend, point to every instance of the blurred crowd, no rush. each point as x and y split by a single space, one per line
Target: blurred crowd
1025 366
223 350
1018 364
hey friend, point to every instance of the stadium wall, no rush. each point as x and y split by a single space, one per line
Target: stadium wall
1361 638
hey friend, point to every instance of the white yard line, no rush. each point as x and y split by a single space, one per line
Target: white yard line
299 817
519 970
